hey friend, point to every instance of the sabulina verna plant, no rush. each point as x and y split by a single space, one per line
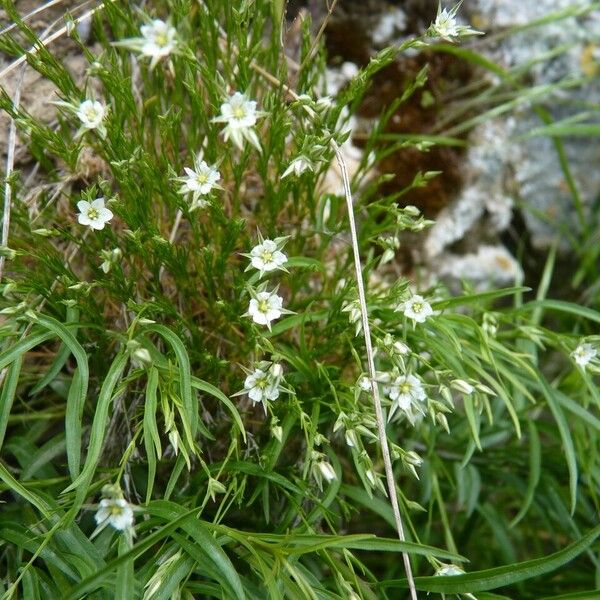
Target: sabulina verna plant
233 363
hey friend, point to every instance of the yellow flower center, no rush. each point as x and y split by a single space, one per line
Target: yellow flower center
91 114
266 256
161 39
239 112
201 178
417 307
93 213
116 510
263 306
405 388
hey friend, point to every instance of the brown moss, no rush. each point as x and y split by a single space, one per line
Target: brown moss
418 115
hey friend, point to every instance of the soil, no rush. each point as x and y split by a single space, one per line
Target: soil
36 91
348 37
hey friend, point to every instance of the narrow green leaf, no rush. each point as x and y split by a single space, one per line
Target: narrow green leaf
535 465
295 321
61 356
205 542
219 395
561 306
491 579
151 435
190 402
23 346
26 494
565 435
125 582
98 430
472 420
73 424
7 395
304 544
304 262
77 392
478 298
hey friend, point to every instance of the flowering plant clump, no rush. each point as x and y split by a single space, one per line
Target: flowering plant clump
217 294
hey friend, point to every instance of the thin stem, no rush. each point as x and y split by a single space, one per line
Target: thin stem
10 163
385 450
46 42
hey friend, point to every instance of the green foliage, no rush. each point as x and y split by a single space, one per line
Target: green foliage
125 352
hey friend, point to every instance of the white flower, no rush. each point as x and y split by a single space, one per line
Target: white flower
240 115
115 512
364 383
446 27
199 181
266 256
239 112
417 309
583 354
298 166
406 392
261 386
321 468
91 113
265 307
158 40
94 213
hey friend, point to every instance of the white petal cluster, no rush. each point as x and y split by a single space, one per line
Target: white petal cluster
93 214
265 307
115 512
417 309
158 40
446 27
584 354
407 394
267 256
91 113
239 115
321 469
263 384
199 182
